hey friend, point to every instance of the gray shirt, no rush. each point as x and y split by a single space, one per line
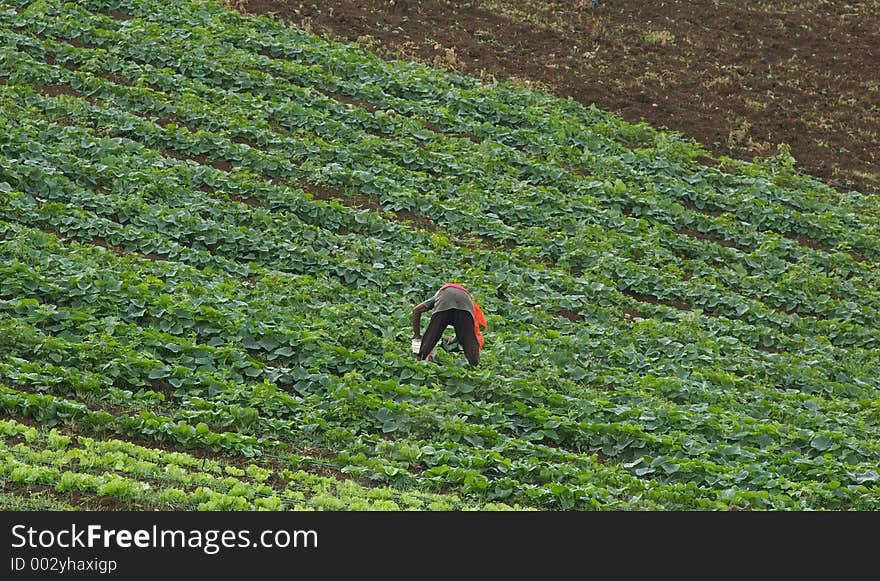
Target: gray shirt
450 298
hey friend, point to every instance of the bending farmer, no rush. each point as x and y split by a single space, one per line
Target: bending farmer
452 305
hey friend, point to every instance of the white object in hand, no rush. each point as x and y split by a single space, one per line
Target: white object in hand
417 346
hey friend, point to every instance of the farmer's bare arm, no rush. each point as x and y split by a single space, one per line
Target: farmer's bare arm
417 320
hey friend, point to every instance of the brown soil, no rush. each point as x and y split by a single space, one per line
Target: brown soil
55 90
651 299
570 315
743 78
708 237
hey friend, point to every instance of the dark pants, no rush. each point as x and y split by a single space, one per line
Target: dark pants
463 323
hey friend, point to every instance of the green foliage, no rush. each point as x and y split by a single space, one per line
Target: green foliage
213 229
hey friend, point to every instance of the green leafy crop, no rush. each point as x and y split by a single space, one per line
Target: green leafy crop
213 229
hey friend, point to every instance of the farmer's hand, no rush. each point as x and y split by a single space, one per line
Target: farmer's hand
452 340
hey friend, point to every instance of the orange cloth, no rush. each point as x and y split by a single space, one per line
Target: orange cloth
479 318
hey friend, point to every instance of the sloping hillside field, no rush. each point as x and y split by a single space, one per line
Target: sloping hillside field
214 228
